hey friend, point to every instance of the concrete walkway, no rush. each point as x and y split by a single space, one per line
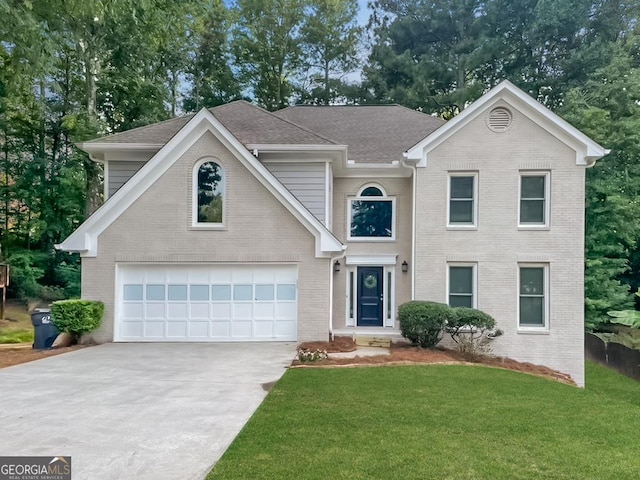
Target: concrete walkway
137 411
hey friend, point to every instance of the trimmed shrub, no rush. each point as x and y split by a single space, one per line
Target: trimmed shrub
77 316
468 330
422 322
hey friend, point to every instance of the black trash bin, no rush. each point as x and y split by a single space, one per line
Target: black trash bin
44 331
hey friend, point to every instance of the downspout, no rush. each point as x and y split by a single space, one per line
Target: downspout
331 275
414 170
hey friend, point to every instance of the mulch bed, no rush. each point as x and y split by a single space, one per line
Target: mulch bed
403 353
16 354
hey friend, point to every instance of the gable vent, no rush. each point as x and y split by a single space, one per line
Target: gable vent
499 119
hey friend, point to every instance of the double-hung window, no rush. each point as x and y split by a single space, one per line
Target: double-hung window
533 297
463 200
534 199
462 286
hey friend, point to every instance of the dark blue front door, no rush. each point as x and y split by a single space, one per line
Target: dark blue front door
370 296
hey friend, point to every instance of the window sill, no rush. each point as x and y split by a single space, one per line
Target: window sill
462 227
371 239
534 331
534 227
209 227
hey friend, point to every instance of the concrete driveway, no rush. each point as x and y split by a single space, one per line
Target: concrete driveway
137 411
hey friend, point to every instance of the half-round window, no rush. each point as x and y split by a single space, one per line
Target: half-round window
210 201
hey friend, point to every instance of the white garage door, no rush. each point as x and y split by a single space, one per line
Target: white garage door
163 303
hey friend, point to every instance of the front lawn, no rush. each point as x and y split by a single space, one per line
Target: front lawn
439 422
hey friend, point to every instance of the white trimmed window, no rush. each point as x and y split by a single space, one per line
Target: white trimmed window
533 288
462 207
208 194
372 215
533 209
461 285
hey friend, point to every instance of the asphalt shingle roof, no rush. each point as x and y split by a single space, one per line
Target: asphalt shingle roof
373 134
248 123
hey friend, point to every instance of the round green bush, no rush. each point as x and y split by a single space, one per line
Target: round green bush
470 318
77 316
422 323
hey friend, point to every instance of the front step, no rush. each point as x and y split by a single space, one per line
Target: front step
362 341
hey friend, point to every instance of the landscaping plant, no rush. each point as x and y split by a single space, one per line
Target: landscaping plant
422 322
468 330
77 316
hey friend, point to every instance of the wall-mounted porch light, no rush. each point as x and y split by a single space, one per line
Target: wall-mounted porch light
405 267
336 267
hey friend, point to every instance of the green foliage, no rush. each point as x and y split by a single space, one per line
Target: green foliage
422 322
468 330
24 274
330 41
77 316
17 336
629 318
607 108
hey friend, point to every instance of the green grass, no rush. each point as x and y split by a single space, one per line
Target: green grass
439 422
16 326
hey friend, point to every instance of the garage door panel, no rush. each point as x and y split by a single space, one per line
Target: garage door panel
285 328
132 311
220 330
264 311
177 329
153 329
155 311
221 311
198 329
242 329
206 302
133 329
177 311
199 311
264 329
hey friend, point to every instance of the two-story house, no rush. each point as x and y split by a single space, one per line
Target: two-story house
236 224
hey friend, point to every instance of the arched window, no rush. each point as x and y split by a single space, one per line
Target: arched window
372 214
209 187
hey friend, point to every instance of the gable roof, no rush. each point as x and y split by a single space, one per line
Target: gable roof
587 151
85 238
248 123
373 133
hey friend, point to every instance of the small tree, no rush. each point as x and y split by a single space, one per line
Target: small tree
422 322
77 316
468 329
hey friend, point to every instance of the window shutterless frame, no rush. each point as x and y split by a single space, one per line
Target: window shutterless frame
208 191
462 285
462 200
533 297
371 215
534 203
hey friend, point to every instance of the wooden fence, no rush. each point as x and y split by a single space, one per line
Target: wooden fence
613 355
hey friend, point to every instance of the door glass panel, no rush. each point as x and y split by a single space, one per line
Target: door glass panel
286 292
155 292
132 292
177 292
221 292
199 292
243 292
264 292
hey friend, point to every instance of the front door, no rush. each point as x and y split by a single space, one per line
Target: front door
370 296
